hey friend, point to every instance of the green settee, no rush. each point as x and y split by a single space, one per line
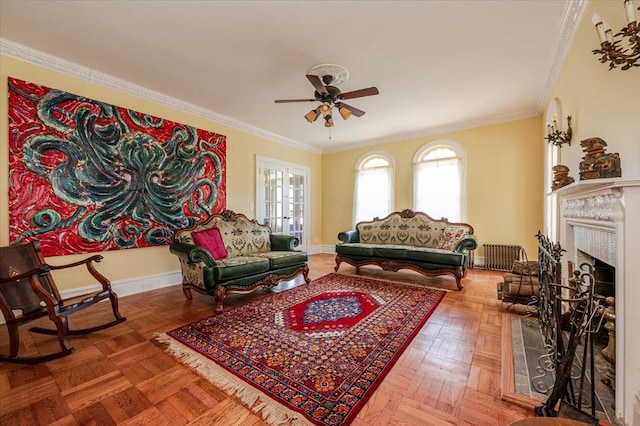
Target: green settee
230 253
409 240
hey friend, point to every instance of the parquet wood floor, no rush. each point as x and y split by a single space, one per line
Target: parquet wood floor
449 375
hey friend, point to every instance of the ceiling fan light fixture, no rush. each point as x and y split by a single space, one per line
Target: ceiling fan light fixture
328 121
325 109
344 112
312 115
323 79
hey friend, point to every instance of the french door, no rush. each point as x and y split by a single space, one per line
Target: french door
282 196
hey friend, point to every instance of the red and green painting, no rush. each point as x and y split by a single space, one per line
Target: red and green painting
87 176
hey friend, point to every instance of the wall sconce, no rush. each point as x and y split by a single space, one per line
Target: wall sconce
611 47
557 136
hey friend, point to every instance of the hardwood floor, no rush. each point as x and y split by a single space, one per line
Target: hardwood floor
450 373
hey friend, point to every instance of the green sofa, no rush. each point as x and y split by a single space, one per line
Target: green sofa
409 240
252 257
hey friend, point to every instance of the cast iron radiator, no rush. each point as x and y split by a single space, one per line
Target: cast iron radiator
500 257
470 259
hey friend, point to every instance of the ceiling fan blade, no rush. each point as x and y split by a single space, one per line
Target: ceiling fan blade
355 111
317 84
282 101
369 91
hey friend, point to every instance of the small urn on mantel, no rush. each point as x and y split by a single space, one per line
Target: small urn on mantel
596 163
560 177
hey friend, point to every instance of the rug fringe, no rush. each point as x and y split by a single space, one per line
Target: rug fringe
271 411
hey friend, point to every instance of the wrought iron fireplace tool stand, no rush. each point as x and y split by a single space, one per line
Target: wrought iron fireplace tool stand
585 311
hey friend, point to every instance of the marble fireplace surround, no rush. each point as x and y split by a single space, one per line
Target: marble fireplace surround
601 218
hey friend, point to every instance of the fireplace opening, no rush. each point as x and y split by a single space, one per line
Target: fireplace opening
604 288
604 274
605 279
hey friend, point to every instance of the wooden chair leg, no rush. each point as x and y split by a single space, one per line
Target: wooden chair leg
14 340
62 327
113 298
14 346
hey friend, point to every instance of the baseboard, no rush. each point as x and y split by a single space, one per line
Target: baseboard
130 286
322 249
126 287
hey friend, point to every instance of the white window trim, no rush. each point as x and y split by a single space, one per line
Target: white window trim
552 153
392 193
461 154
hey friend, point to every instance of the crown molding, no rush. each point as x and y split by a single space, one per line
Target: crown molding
434 131
573 12
45 60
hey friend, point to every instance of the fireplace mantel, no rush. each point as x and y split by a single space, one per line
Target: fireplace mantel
584 188
600 217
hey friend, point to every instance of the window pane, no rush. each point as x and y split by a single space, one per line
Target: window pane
438 187
438 153
375 162
373 193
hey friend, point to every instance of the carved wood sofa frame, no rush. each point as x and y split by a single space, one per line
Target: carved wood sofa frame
202 273
455 260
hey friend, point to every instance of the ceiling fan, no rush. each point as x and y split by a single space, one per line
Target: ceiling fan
331 96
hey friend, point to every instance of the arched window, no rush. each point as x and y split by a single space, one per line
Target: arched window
438 180
373 187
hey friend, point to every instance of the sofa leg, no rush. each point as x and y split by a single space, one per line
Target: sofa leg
187 293
218 298
459 282
305 274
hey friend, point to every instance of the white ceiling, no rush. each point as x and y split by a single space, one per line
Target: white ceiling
439 65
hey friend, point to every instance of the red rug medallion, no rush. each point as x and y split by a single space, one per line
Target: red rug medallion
313 354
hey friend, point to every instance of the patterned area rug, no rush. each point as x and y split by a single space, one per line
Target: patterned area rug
310 355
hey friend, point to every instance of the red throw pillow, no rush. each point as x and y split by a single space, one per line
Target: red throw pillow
211 240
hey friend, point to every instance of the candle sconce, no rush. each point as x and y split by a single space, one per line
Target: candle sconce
623 49
558 137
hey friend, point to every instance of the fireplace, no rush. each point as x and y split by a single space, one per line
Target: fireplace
604 274
599 226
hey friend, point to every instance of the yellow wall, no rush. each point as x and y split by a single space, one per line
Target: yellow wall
504 182
242 149
601 103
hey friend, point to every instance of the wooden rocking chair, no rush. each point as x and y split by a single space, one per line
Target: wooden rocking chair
28 292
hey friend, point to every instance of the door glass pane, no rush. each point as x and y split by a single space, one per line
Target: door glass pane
282 206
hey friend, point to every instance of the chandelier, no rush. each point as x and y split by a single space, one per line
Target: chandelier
622 49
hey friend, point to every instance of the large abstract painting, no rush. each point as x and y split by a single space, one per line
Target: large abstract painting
86 176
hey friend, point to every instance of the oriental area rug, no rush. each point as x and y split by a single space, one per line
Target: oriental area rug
310 355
